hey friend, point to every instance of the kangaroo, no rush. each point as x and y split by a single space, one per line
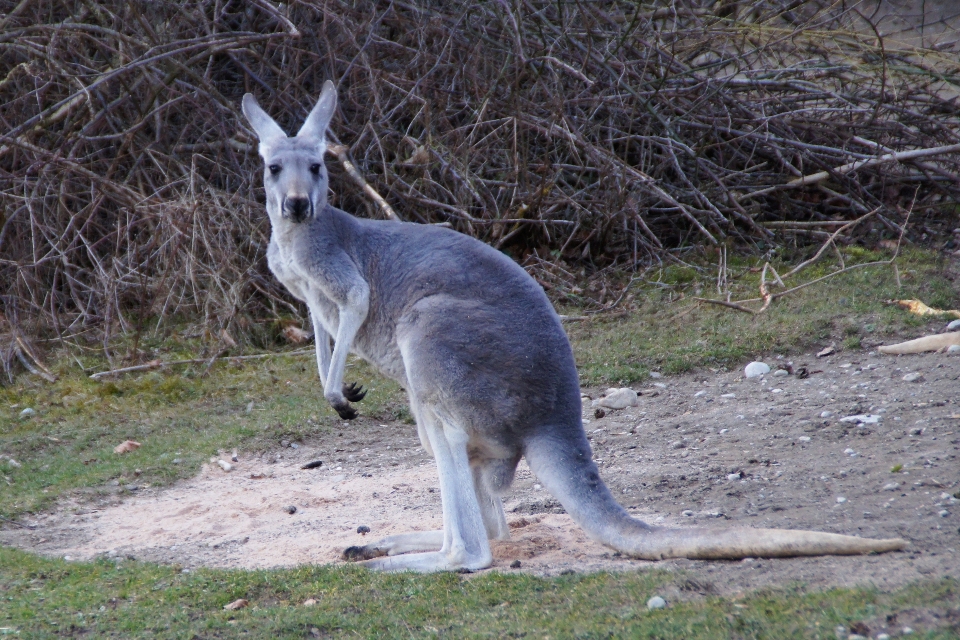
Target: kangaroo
482 354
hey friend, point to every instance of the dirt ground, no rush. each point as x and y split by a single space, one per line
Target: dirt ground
710 448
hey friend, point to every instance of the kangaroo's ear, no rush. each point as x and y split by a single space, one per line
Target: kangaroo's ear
263 124
316 123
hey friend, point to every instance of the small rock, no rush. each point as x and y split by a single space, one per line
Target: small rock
944 513
857 636
826 414
656 375
891 486
599 413
312 464
132 487
907 631
729 396
619 398
515 564
27 413
363 529
756 369
10 461
250 407
954 325
700 393
733 476
804 438
841 499
781 372
840 632
687 512
290 509
823 353
679 444
236 604
234 457
659 385
863 419
916 431
954 348
850 452
656 602
883 636
916 376
226 466
309 602
284 443
176 461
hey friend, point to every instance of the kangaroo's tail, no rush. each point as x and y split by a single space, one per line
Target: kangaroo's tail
565 466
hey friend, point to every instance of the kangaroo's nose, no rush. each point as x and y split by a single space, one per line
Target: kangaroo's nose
297 208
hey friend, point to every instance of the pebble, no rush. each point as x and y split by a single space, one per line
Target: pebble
132 487
290 509
226 466
619 398
781 372
954 348
862 419
804 438
850 452
907 631
916 376
944 513
954 325
700 393
841 499
840 632
363 529
516 564
891 486
883 636
688 512
733 476
656 602
655 375
27 413
176 461
826 414
728 395
756 369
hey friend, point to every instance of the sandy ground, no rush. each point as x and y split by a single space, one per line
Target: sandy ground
710 448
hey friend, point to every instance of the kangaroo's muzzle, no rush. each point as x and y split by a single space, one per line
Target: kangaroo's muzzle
297 209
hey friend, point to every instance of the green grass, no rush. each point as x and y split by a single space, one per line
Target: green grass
66 450
669 332
41 598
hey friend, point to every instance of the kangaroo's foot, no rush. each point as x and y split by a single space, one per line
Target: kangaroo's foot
344 410
353 392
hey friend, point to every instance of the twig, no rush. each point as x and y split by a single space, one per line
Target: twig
158 364
340 151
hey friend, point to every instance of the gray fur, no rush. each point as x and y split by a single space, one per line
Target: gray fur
476 343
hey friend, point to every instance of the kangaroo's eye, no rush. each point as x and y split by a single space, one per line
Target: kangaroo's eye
275 169
315 169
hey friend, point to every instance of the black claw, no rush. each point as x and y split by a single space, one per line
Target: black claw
345 411
355 554
353 392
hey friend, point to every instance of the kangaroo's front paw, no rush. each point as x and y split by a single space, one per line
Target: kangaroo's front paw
366 552
354 392
344 410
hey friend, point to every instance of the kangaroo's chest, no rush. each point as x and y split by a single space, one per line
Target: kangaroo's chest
287 271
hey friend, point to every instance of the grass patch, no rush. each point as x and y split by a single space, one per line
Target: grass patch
668 332
41 598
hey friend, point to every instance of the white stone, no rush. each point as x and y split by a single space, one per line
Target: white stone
656 602
862 419
781 372
841 499
700 393
729 396
619 398
891 486
826 414
27 413
916 376
656 375
756 369
944 513
733 476
954 348
954 325
226 466
883 636
804 438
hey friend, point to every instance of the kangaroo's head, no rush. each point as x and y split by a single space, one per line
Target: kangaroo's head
294 176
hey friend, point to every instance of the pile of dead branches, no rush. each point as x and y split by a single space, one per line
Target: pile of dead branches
575 136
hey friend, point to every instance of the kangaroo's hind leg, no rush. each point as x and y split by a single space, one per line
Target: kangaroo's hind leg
464 541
